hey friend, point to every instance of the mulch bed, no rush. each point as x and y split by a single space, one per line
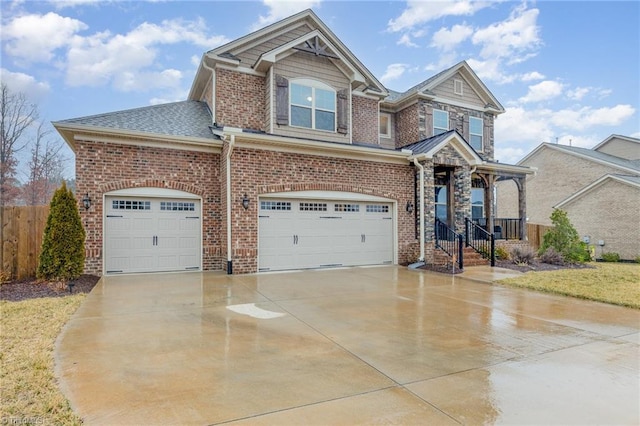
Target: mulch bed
16 291
508 264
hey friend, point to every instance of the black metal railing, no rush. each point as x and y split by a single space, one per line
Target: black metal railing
480 240
449 241
503 228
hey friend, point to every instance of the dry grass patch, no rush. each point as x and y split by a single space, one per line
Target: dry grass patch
29 390
615 283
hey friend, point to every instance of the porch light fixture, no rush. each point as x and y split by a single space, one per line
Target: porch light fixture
245 202
409 207
86 201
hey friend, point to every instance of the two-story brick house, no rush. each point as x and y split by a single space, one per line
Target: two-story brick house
288 154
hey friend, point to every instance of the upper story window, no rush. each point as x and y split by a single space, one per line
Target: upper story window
475 133
440 121
313 105
385 125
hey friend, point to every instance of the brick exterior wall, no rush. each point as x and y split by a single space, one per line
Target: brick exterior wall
558 176
257 172
407 128
609 212
240 100
365 120
104 167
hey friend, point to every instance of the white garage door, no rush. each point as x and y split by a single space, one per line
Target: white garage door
151 234
300 234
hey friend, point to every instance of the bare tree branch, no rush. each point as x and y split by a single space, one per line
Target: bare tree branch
16 115
44 168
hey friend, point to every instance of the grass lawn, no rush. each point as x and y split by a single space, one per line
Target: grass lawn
615 283
29 392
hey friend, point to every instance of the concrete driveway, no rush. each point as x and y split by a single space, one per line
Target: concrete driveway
380 345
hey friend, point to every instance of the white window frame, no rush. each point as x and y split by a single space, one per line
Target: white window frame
435 111
458 87
387 116
480 135
313 84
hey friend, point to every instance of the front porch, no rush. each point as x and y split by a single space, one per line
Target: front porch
455 195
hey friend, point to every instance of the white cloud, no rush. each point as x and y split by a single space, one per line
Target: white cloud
61 4
588 117
393 72
531 76
34 90
578 93
520 126
34 38
446 60
447 39
279 9
514 39
491 70
509 155
405 40
125 60
543 91
420 12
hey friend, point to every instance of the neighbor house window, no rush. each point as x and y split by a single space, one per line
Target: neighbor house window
385 125
440 121
477 203
475 133
313 105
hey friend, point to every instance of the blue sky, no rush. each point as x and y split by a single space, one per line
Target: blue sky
565 71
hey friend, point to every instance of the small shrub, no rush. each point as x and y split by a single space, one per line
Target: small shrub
564 238
610 257
522 256
62 255
502 253
637 259
552 257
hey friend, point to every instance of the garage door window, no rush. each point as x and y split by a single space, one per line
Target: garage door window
377 208
130 205
275 205
313 207
347 207
177 206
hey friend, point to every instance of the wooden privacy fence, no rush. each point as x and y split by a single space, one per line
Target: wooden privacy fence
21 233
535 233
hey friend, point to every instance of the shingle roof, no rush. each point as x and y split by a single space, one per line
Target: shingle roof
186 118
426 145
601 156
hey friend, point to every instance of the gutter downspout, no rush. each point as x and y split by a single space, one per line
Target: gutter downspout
421 227
232 141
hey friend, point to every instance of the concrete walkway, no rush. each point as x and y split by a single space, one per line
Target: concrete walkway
379 345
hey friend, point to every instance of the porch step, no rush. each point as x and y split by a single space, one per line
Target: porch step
471 258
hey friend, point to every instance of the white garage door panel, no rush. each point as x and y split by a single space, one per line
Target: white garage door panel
300 234
151 234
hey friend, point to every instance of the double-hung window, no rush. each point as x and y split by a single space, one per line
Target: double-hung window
475 133
440 121
313 105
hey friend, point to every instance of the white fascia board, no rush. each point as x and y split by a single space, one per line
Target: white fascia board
508 168
309 147
591 187
245 70
125 137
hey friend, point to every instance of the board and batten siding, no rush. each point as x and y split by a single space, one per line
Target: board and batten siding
304 65
469 96
250 56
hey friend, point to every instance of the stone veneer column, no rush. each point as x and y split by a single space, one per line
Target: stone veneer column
462 196
429 210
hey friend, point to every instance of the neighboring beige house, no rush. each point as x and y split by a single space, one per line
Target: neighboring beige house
599 188
288 154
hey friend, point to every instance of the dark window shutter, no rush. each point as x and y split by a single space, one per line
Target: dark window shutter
343 111
282 100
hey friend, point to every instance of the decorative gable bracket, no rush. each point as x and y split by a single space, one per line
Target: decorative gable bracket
315 48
